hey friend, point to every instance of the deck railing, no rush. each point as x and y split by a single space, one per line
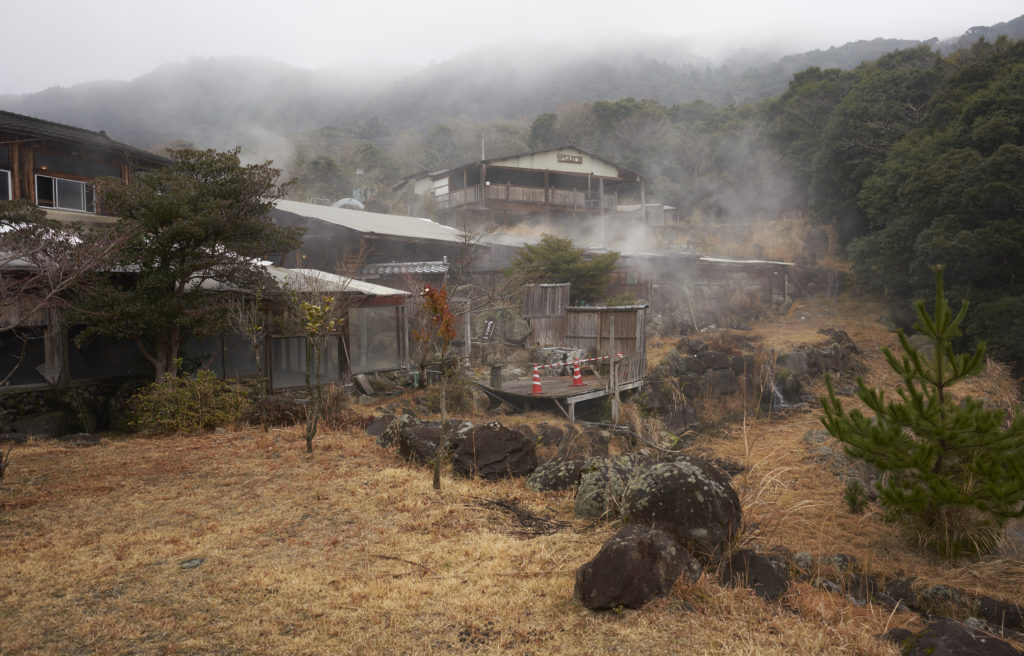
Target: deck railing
532 195
628 369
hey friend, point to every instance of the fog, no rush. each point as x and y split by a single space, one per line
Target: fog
73 42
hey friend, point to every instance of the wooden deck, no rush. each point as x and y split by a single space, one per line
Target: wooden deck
558 390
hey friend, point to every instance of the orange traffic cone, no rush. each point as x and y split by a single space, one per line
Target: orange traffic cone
536 381
577 375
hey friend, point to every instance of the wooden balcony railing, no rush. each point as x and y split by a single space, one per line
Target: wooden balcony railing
508 193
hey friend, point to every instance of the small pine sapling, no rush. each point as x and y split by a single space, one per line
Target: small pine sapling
953 469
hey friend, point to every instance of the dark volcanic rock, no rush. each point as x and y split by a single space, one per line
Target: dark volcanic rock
493 451
690 500
634 566
756 571
418 442
948 638
379 424
1001 614
556 474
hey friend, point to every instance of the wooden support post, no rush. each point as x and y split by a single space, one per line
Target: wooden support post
614 373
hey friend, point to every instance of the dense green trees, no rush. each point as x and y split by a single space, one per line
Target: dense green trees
200 224
921 162
556 260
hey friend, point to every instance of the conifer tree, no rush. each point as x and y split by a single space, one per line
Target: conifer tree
953 470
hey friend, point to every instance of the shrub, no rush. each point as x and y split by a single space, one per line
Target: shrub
186 404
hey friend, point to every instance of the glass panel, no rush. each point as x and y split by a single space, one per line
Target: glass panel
21 352
70 195
72 166
5 185
330 363
288 361
374 339
44 191
239 357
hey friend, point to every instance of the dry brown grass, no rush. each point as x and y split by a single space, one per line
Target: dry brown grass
350 551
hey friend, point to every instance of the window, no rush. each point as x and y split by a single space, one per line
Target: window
5 185
62 194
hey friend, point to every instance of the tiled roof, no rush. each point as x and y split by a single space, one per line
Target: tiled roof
404 268
38 127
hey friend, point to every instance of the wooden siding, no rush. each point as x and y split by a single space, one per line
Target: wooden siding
592 329
545 300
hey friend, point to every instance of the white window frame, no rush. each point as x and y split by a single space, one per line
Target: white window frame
10 192
87 194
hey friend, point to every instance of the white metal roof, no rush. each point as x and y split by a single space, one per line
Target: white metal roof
308 279
373 222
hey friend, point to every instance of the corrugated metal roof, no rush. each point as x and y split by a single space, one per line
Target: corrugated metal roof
399 268
391 225
31 126
311 279
740 260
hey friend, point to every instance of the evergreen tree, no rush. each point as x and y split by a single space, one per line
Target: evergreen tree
953 469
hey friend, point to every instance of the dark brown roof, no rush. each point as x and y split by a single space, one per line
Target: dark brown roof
37 127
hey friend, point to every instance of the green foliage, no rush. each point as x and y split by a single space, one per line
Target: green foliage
187 404
954 470
201 223
855 496
556 260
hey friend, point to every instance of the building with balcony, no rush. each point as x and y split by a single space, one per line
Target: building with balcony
567 186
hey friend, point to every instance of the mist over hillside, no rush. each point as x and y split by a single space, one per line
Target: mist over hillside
243 101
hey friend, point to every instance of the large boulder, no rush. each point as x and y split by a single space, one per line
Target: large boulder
603 482
634 566
948 638
556 474
690 499
493 451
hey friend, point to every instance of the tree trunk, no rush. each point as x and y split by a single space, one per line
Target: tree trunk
442 444
313 414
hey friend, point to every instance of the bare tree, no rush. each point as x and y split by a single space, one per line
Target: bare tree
318 307
46 265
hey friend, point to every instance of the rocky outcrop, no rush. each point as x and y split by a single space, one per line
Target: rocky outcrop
690 500
634 566
756 571
556 474
603 483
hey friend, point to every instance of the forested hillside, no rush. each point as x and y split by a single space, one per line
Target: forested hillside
918 159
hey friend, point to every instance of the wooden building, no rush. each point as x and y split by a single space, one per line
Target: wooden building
559 184
54 166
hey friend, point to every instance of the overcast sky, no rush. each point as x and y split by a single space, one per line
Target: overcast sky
74 41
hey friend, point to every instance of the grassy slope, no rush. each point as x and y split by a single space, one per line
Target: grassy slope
351 551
